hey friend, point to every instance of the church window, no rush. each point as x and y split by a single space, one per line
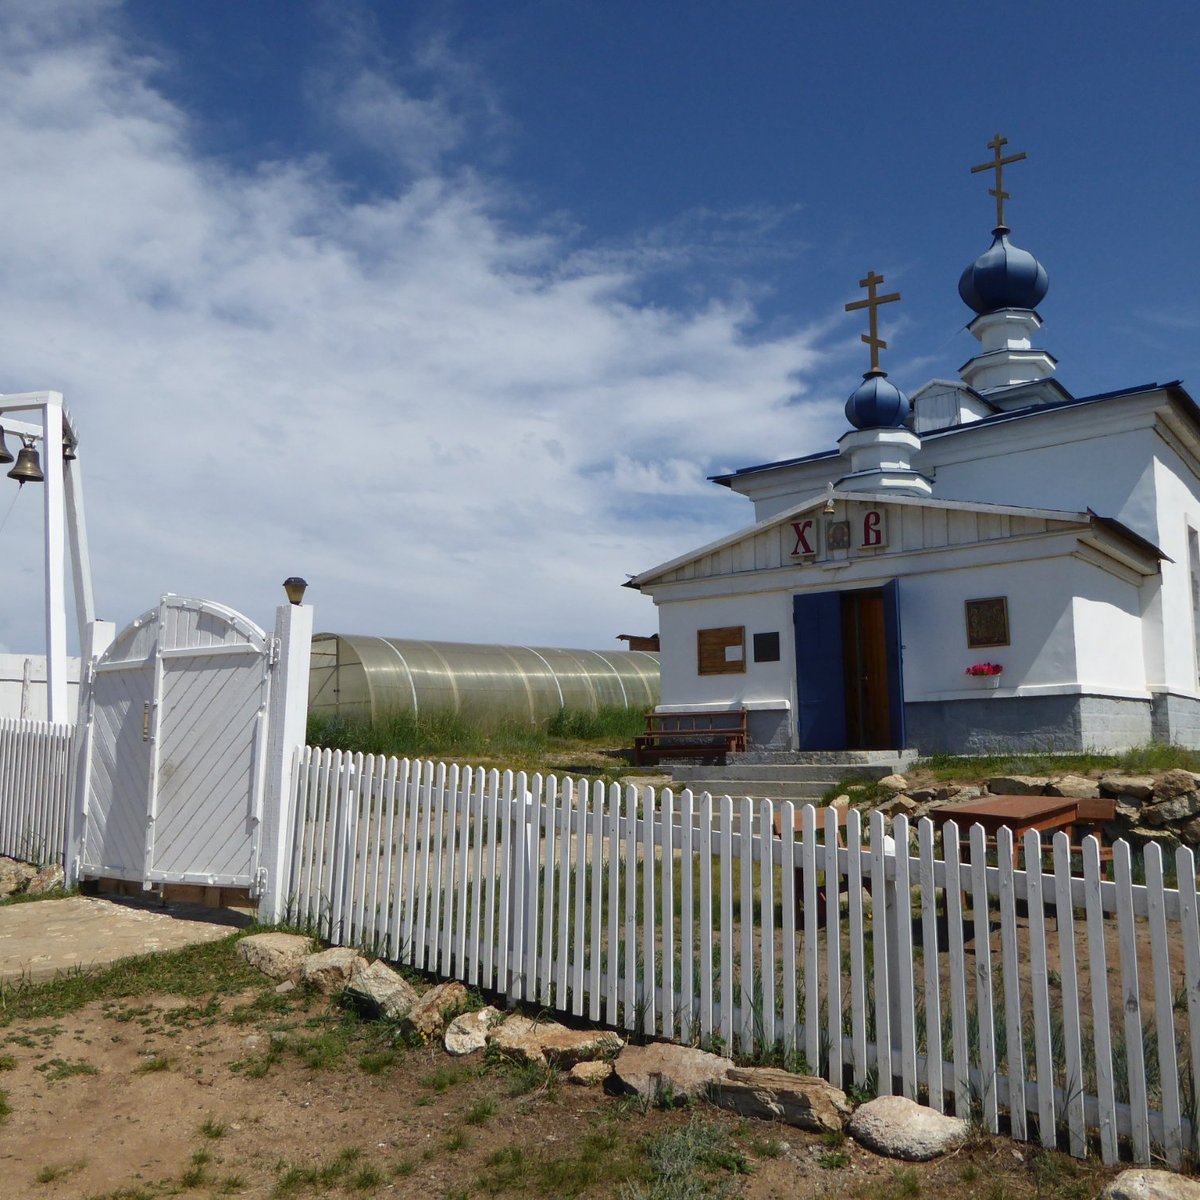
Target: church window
721 651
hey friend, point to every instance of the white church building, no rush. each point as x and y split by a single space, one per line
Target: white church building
991 564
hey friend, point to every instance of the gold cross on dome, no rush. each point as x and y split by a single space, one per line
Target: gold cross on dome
998 164
871 304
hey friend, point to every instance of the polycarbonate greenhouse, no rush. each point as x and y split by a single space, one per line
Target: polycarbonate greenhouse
367 677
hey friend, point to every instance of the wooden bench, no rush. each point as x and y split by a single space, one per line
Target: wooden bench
710 734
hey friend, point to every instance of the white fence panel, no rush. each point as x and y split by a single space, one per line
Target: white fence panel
37 782
1057 1004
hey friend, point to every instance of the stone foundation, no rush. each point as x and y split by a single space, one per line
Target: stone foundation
1176 719
1046 724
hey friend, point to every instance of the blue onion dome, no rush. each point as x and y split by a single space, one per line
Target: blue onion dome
1003 276
877 404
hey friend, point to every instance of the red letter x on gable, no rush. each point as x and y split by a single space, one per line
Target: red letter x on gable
803 529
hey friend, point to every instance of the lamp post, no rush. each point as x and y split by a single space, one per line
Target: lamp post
63 523
295 588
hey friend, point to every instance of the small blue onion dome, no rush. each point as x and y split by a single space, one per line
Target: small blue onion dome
1003 276
877 404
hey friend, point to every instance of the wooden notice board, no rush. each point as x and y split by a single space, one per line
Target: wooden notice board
721 651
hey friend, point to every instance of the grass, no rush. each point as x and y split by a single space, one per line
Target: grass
504 742
56 1069
52 1174
1152 758
212 1128
195 971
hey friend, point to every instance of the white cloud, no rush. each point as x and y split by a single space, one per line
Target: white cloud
443 421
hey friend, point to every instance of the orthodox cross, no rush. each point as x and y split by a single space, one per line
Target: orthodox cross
998 164
871 304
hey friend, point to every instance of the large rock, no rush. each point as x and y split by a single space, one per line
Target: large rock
1074 787
1018 785
898 1127
14 876
331 970
382 990
1136 787
1190 831
590 1074
49 879
468 1032
1140 1183
542 1042
1178 808
661 1069
894 783
770 1094
276 955
427 1018
1174 783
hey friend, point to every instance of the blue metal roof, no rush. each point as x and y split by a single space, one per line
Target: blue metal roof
986 422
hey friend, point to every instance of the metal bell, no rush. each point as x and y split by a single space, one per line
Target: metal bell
69 454
5 452
28 468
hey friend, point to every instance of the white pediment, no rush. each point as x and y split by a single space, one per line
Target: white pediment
864 526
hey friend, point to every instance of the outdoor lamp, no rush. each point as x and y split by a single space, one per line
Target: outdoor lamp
294 586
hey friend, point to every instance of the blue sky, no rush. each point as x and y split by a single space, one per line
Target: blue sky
451 307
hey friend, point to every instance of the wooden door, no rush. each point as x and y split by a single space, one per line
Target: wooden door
865 671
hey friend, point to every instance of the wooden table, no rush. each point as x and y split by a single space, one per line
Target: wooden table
1018 813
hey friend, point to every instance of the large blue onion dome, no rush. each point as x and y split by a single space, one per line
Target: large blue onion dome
877 404
1003 276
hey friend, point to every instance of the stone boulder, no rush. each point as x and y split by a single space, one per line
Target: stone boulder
590 1074
1190 831
660 1070
769 1094
49 879
1018 785
383 991
894 783
898 1127
427 1018
900 803
1141 1183
1173 783
1136 787
14 876
329 971
1178 808
542 1042
276 955
467 1033
1074 787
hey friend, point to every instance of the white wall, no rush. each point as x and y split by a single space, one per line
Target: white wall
1072 626
1112 474
764 612
23 686
1178 507
933 627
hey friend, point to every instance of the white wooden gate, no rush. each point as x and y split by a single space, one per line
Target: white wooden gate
175 749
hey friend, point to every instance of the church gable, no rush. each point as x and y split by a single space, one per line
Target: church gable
862 527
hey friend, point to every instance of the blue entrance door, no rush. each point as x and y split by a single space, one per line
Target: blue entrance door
849 674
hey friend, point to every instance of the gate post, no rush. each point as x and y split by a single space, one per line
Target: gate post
98 636
288 716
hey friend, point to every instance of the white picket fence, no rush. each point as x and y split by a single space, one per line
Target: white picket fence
1051 1005
36 787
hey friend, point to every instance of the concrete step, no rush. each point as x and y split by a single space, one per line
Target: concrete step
893 758
760 789
793 772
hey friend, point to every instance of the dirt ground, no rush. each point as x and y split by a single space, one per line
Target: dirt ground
192 1077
